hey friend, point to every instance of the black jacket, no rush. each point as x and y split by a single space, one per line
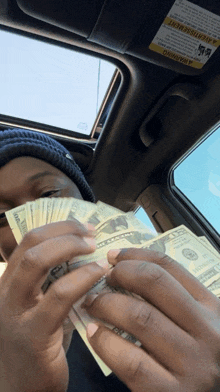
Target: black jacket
85 374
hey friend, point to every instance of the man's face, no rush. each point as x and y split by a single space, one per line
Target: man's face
27 179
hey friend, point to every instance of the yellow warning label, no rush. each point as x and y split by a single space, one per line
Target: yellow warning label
175 56
189 34
194 33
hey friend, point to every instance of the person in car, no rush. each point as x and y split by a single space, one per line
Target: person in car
178 324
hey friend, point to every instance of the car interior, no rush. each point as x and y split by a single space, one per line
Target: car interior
163 100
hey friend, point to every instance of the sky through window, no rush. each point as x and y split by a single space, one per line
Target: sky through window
51 85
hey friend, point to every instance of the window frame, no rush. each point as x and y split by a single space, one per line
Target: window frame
184 203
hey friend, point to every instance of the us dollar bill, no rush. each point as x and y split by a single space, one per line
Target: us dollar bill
180 244
115 229
206 242
79 210
123 239
183 246
215 286
18 222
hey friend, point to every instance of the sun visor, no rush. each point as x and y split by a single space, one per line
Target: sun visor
182 35
78 16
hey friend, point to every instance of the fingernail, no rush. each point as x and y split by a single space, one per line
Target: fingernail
112 256
90 227
90 298
90 241
91 329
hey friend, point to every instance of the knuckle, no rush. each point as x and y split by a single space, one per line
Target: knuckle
78 246
151 272
60 294
135 369
33 237
167 263
31 259
143 317
164 260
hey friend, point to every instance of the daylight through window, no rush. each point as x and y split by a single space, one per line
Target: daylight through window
198 177
51 85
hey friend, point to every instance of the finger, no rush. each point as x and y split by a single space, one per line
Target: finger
36 262
137 369
184 277
168 344
161 289
57 301
43 233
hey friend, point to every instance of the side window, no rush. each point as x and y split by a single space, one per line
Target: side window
143 217
198 177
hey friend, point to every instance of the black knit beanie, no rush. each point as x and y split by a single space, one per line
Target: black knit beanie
16 143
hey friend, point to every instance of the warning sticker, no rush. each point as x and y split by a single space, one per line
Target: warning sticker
189 34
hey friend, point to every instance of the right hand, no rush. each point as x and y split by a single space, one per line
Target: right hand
31 331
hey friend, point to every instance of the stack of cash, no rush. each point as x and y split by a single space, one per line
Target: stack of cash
114 230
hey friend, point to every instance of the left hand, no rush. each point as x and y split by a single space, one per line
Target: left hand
178 325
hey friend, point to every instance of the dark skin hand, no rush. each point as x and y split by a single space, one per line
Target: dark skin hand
30 321
32 356
178 325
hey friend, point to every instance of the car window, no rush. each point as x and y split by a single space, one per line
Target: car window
51 85
143 217
198 177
